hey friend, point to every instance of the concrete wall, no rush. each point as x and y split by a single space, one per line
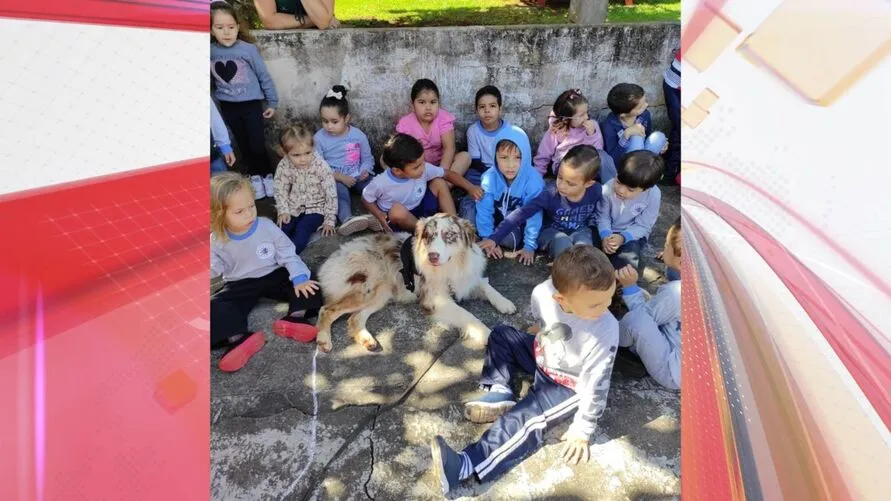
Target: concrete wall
531 65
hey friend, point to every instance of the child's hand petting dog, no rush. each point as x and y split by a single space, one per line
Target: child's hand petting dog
492 250
627 276
306 289
526 257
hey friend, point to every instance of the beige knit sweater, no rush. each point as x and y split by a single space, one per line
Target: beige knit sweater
306 191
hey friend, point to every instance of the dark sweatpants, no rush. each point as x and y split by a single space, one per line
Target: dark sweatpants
520 431
231 305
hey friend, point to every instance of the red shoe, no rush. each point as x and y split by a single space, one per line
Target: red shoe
239 356
298 331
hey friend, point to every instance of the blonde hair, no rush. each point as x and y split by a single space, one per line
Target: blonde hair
222 187
674 237
299 133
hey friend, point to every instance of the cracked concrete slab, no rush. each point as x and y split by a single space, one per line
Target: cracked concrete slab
393 401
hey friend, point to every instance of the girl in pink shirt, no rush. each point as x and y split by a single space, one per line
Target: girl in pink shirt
429 124
570 126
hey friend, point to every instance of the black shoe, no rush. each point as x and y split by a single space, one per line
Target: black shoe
629 364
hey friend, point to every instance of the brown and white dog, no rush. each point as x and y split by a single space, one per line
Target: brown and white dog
366 273
360 278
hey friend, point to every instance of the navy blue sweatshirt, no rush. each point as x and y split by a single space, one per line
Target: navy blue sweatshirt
557 210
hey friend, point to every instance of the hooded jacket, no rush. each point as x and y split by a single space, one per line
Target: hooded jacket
500 198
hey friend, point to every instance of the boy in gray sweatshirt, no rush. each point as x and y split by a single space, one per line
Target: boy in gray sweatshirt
570 349
652 329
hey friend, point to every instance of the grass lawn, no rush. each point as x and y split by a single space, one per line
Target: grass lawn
382 13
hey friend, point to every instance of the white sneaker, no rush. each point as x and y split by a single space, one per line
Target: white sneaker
269 185
354 224
259 190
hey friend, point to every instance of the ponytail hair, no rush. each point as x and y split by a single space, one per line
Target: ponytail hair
336 98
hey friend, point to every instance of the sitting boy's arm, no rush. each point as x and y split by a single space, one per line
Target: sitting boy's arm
602 217
459 181
644 222
593 385
663 307
520 214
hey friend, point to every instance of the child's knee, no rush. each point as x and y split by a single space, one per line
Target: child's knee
438 186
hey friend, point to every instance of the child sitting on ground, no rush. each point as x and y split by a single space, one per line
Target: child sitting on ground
512 184
570 349
652 329
410 188
347 151
568 207
305 196
569 126
433 126
625 129
255 260
482 134
629 208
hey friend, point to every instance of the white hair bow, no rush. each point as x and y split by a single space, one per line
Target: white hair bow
336 95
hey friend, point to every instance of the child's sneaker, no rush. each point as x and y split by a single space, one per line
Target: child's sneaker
489 407
374 224
446 463
269 185
354 224
259 189
238 356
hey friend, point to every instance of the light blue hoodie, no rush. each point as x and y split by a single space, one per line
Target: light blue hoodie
500 198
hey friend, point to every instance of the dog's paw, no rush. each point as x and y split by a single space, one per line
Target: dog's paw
367 341
323 342
505 307
478 334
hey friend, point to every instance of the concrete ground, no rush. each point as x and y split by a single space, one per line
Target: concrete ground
364 432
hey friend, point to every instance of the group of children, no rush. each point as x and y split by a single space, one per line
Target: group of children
592 220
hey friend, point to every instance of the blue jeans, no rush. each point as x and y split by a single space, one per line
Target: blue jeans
300 229
218 165
654 143
557 242
344 203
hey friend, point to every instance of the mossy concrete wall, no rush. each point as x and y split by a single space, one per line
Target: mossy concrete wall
531 65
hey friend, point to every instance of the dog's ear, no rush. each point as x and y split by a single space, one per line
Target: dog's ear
419 228
468 231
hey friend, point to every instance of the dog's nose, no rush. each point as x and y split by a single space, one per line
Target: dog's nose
433 257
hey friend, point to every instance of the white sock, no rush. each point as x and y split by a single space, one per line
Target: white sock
466 466
500 388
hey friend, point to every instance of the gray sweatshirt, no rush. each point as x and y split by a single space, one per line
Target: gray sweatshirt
240 74
583 361
256 253
633 219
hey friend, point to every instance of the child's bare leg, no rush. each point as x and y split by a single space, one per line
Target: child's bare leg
440 188
401 217
461 163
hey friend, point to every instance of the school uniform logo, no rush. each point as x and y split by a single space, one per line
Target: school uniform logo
266 250
351 155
